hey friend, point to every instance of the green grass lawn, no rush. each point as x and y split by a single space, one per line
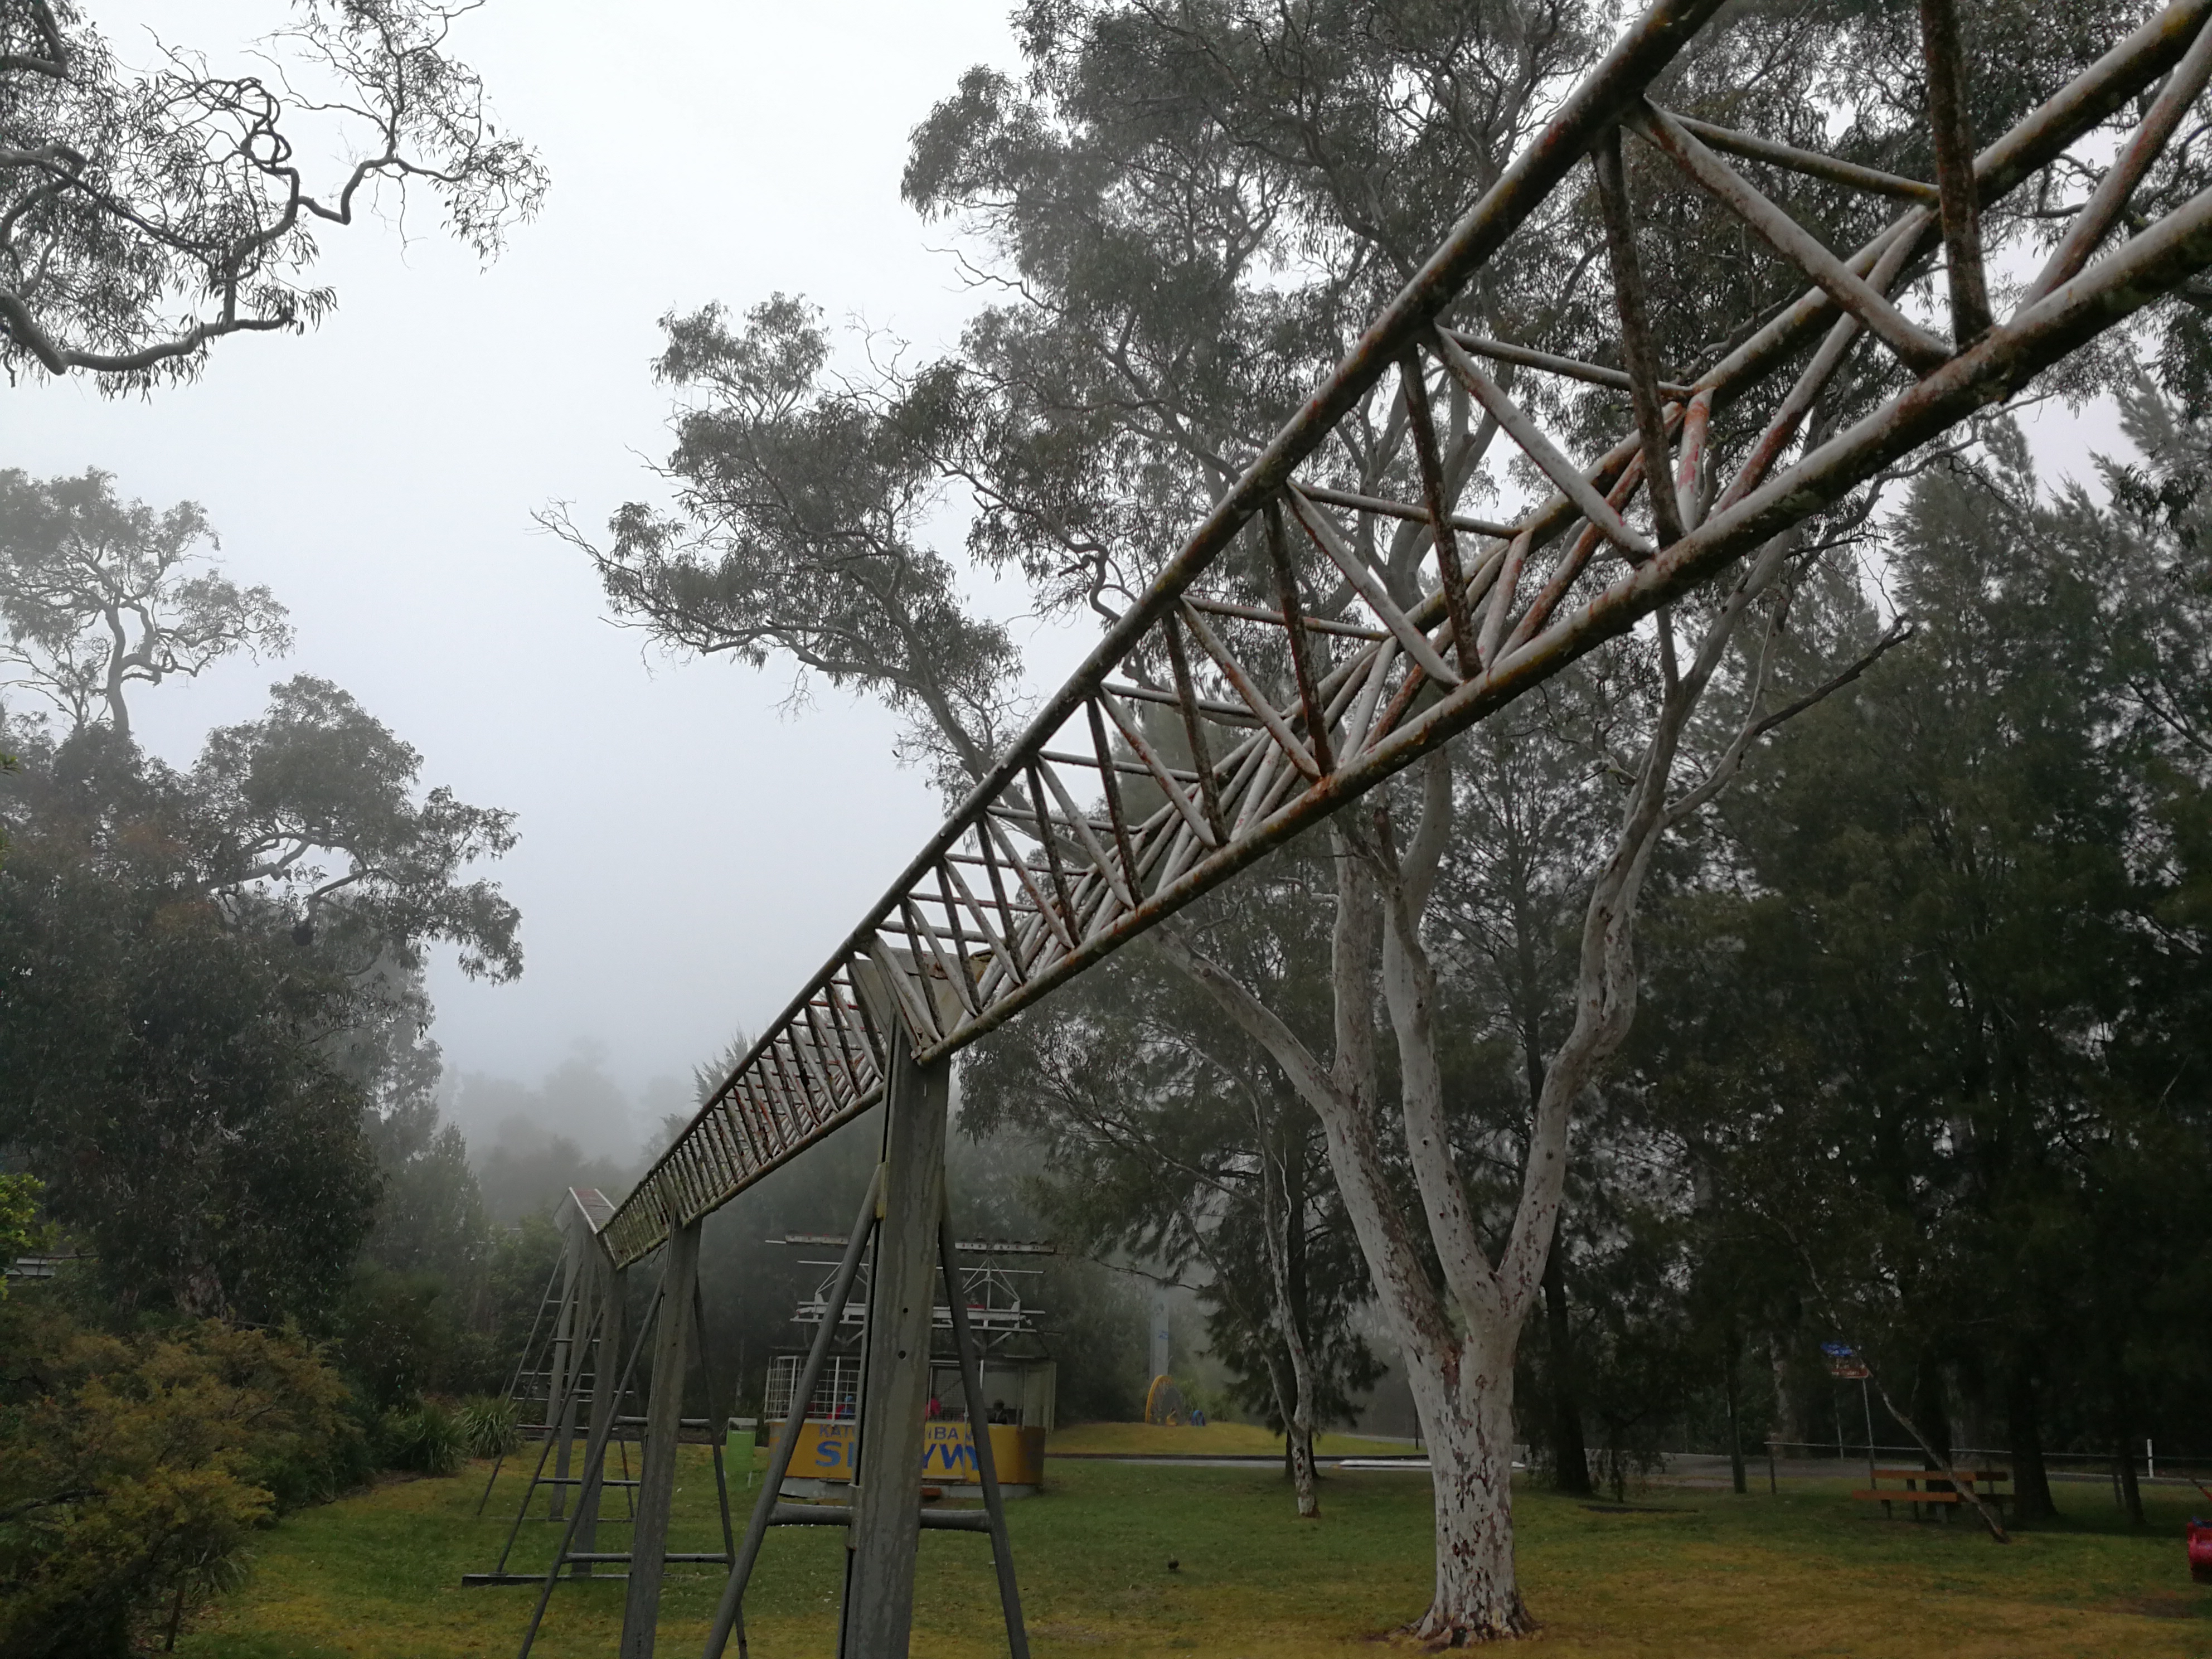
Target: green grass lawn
1678 1573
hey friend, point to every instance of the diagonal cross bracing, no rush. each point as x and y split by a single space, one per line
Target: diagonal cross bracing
1288 715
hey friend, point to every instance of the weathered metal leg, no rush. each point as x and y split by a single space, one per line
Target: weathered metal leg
561 1394
729 1615
522 1509
610 1285
595 1454
664 1413
987 1461
879 1561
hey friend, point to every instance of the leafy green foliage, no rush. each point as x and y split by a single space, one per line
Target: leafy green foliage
213 977
488 1426
1935 1045
167 1081
428 1440
20 1230
800 507
313 803
134 1470
397 1334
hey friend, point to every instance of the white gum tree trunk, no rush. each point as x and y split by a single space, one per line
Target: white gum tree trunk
1458 1334
1279 1213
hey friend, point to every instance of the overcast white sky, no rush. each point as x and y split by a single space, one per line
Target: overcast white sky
690 852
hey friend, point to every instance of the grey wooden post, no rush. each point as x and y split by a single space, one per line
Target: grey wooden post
664 1413
979 1435
879 1562
561 1358
609 1286
731 1613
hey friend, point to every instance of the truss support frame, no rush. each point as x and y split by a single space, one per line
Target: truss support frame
664 1413
610 1289
729 1616
878 1613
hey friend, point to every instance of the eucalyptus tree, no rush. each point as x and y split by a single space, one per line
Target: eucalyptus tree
145 214
316 811
1089 430
800 531
803 502
1531 801
97 596
214 991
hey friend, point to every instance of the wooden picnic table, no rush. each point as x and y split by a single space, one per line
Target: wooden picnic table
1934 1487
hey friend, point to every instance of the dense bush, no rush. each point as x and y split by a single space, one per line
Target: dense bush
401 1335
133 1469
169 1078
21 1231
489 1425
427 1440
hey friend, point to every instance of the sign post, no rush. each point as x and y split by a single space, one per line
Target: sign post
1845 1364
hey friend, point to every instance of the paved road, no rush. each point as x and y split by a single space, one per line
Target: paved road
1693 1469
1417 1462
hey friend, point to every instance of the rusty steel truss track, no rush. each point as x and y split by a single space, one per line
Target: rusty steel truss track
1281 717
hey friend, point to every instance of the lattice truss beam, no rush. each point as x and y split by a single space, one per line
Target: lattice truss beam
1094 829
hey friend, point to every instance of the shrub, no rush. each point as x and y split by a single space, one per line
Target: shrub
21 1231
489 1425
394 1330
133 1470
427 1440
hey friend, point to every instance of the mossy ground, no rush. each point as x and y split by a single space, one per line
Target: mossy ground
1679 1572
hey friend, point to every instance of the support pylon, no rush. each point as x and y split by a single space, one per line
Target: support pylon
879 1601
903 1216
673 1328
656 1474
589 1371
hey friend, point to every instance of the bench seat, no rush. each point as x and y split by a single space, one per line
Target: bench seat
1910 1486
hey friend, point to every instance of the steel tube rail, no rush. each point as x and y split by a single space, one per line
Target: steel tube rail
1271 758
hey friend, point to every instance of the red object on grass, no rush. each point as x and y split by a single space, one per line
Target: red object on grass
2200 1552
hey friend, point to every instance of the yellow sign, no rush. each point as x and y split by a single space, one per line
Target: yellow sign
824 1452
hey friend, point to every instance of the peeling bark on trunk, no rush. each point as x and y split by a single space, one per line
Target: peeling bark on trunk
1282 1223
1470 1428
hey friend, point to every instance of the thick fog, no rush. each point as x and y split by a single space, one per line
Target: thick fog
691 849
